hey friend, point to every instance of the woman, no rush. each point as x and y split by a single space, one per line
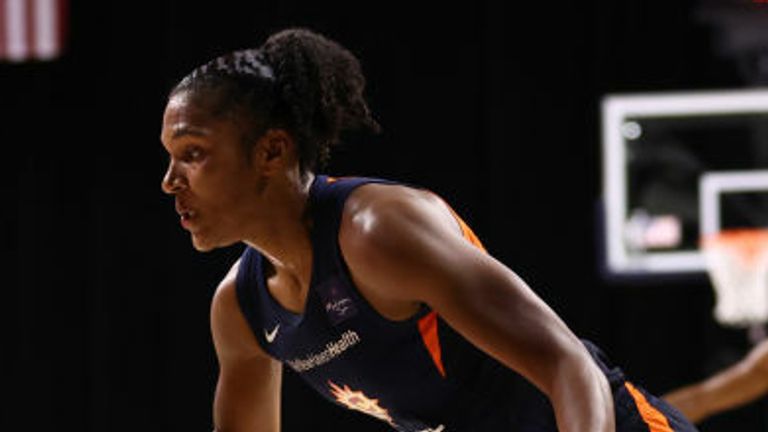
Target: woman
376 293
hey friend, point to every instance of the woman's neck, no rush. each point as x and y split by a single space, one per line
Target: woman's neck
283 235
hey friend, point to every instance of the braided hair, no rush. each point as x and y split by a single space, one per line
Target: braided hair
297 80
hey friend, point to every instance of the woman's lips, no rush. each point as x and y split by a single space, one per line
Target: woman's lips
186 215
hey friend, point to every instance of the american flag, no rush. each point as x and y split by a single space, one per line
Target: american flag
31 29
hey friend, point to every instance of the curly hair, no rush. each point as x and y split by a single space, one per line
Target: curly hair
297 80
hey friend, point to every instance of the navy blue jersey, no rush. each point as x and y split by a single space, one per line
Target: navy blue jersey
418 375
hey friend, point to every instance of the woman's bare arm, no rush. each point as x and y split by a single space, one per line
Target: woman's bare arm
403 245
732 387
248 390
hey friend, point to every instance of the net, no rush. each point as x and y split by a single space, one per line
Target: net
737 263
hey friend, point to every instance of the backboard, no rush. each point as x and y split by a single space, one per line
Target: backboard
656 148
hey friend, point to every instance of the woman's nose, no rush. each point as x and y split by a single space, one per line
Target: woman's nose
173 181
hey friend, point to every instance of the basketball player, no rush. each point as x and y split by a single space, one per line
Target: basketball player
732 387
374 292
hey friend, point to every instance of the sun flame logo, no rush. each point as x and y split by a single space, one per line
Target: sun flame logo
358 401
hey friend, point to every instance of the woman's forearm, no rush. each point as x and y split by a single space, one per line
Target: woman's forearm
728 389
734 386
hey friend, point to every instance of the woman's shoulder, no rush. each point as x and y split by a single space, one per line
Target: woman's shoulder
381 212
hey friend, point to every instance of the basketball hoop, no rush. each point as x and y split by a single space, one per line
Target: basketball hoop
737 263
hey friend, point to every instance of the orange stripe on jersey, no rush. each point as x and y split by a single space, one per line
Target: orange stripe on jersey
428 324
428 330
468 233
655 420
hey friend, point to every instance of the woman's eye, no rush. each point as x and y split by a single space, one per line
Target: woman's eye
193 154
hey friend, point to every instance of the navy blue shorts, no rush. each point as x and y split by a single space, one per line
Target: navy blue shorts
636 409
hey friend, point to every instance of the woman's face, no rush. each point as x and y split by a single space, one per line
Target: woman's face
214 181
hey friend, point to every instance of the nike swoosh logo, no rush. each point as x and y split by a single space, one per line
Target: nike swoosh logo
270 336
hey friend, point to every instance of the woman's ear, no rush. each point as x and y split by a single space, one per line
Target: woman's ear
274 150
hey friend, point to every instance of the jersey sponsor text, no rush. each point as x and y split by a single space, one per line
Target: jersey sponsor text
332 350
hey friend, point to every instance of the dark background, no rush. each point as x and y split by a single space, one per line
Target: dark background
494 105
